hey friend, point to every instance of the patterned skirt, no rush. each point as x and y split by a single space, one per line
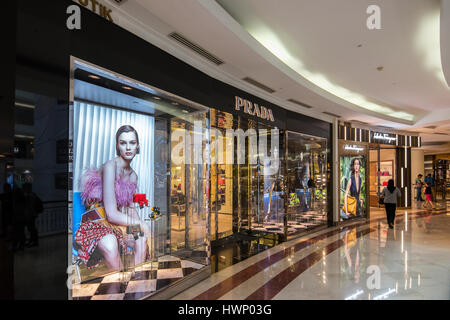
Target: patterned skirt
88 236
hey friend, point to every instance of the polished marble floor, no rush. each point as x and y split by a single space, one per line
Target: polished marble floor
360 260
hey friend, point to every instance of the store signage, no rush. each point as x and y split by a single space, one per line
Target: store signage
384 136
254 109
353 148
96 7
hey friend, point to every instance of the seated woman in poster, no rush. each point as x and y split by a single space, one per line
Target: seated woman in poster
354 188
108 196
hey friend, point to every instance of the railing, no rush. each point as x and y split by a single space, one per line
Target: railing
54 218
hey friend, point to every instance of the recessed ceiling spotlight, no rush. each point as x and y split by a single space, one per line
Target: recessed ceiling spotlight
93 76
380 68
157 98
126 88
175 103
185 111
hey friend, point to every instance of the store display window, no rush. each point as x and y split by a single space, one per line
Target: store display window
139 184
382 168
307 182
353 188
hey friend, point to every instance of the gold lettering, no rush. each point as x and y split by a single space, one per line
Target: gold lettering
253 109
108 14
263 112
94 5
256 111
84 3
249 107
245 106
239 103
270 115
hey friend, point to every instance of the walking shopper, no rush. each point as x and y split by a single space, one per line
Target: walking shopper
419 185
429 195
390 195
430 180
33 207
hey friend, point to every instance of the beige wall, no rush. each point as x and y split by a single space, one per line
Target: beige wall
417 165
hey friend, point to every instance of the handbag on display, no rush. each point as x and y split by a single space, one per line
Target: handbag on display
351 205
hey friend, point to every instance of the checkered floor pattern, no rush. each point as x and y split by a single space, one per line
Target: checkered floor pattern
296 224
147 280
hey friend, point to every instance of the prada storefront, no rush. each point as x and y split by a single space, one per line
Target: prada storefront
257 200
151 174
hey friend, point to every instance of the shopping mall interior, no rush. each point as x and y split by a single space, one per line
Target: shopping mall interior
226 150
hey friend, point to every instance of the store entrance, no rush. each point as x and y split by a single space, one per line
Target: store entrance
239 211
382 162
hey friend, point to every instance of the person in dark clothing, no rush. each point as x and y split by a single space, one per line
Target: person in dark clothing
18 219
429 195
430 180
6 199
33 206
390 195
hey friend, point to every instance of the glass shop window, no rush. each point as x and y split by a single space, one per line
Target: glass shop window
306 182
140 183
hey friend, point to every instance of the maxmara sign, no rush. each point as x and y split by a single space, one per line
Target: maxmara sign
253 109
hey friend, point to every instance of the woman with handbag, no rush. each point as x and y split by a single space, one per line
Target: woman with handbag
389 196
352 202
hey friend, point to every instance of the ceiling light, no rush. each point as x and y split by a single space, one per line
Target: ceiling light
25 105
126 88
272 42
157 98
93 76
185 111
175 103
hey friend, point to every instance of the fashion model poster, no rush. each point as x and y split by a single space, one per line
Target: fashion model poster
113 188
352 187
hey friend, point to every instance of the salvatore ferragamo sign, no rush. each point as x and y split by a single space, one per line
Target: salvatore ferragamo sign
253 109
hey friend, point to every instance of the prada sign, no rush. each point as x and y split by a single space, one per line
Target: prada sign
254 109
96 7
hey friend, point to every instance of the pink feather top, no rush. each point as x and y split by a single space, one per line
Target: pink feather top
93 189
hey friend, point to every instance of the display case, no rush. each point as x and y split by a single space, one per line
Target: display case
140 193
307 182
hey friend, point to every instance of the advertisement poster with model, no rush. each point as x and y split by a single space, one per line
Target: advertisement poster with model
352 187
113 189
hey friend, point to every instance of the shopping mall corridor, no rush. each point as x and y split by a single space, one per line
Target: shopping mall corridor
363 260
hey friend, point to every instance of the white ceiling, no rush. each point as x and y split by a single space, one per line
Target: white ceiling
328 39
